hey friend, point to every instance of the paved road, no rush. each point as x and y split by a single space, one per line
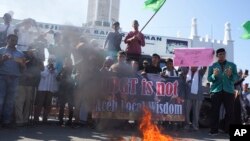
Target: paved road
57 133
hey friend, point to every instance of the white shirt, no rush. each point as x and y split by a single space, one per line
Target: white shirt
25 38
48 81
168 73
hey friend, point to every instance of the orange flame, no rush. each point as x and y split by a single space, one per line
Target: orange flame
150 131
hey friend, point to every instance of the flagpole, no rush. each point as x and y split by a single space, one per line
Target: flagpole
152 16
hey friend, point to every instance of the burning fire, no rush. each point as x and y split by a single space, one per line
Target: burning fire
150 131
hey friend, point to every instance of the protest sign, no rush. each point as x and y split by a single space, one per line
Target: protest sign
124 98
193 56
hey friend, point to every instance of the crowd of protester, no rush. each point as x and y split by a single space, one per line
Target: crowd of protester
75 67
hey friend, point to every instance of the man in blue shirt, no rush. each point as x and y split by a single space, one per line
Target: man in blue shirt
113 40
11 64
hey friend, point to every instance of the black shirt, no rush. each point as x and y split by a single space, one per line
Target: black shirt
153 69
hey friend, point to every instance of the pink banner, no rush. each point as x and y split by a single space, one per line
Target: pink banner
193 56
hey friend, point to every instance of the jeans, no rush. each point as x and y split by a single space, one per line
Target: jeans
8 90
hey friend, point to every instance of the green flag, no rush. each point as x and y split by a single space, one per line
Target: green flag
246 27
154 4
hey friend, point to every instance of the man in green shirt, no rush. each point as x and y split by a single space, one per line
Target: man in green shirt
222 74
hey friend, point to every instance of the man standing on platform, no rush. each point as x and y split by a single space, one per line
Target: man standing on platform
134 40
5 29
113 40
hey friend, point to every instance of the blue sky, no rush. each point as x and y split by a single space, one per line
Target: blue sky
175 16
